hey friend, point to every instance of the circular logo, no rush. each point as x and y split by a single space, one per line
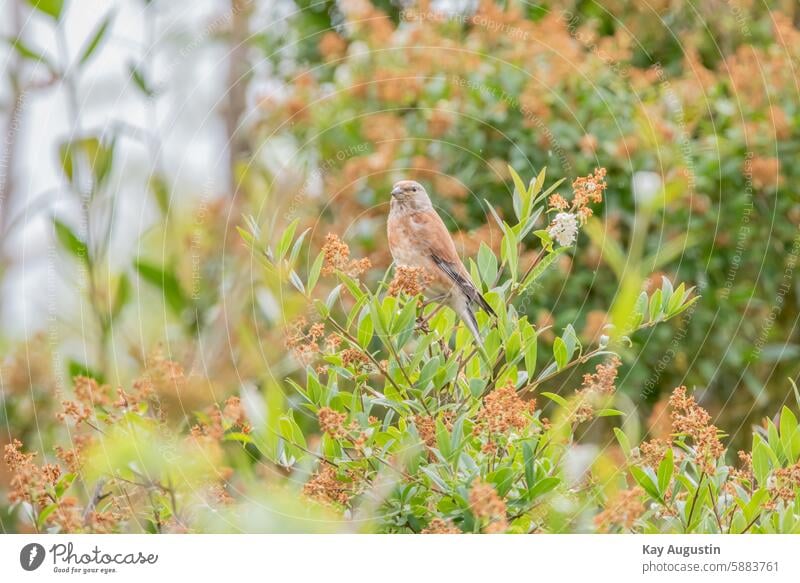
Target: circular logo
31 556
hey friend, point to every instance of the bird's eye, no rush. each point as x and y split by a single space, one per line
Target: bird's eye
414 188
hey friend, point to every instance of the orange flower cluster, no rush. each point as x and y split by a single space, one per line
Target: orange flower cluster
88 395
234 414
355 359
332 46
332 422
162 376
621 511
440 526
652 452
302 339
486 504
765 172
603 380
787 484
36 485
29 482
325 487
504 410
426 427
744 473
689 419
220 420
72 457
411 281
337 258
595 386
586 190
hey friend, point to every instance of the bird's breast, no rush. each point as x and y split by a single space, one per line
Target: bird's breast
405 243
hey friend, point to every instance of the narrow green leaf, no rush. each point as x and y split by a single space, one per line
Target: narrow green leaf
286 239
27 52
560 352
313 274
487 265
655 305
96 39
665 469
70 241
167 282
555 398
623 440
52 8
645 480
138 78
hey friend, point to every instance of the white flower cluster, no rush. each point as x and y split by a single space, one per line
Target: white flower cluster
564 229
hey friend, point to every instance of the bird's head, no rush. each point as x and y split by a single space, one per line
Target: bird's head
410 194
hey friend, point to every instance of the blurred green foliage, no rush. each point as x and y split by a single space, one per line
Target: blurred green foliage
692 110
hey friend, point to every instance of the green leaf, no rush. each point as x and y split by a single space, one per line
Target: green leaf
139 80
510 251
530 355
41 519
761 461
790 436
160 190
530 470
431 472
297 282
313 274
443 439
570 340
610 413
167 282
542 487
666 291
286 239
655 305
298 244
121 296
365 329
646 481
520 191
676 299
70 241
684 307
543 264
560 352
52 8
623 440
555 398
513 345
31 54
538 183
665 469
96 39
487 265
77 369
98 156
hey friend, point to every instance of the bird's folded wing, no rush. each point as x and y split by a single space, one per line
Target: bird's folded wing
442 251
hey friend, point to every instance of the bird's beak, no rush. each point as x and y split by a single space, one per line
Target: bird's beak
397 191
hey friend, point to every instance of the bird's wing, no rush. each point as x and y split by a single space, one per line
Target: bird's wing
442 251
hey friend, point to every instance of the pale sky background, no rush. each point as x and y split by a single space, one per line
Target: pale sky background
191 67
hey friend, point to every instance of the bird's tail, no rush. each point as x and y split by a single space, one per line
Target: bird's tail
468 316
481 301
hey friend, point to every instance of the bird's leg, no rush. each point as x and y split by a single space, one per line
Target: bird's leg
422 321
434 300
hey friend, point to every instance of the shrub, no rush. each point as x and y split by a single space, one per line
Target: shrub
400 424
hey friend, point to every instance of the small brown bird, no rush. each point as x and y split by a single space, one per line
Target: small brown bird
419 238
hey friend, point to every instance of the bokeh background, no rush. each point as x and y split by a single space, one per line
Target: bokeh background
138 134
